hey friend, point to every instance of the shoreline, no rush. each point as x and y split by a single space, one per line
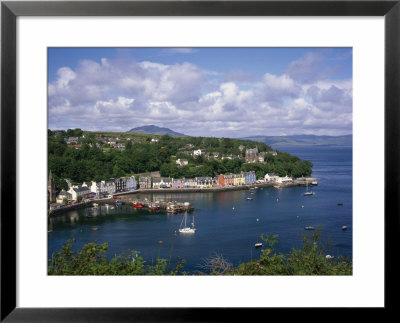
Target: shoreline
60 211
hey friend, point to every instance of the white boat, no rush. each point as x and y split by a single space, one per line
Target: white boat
258 245
185 228
95 205
249 198
307 192
344 227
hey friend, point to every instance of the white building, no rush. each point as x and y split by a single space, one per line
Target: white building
270 177
108 187
76 191
131 183
284 180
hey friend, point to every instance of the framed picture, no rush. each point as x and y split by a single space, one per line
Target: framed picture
42 43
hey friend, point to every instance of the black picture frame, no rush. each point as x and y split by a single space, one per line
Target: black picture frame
10 10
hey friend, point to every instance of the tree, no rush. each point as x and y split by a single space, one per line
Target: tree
79 198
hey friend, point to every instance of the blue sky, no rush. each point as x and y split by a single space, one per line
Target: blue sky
202 91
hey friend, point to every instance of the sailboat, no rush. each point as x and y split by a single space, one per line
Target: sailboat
185 228
307 192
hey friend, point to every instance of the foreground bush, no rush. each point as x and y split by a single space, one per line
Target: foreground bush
91 260
309 260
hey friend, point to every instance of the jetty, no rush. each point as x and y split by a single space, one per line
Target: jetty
167 206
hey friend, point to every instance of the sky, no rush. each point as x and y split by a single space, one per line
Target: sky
218 92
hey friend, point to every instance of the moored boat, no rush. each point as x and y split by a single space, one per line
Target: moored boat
138 205
344 227
309 228
258 245
154 207
186 229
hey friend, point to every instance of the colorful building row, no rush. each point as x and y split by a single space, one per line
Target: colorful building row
244 178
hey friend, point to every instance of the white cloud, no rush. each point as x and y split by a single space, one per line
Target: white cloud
119 95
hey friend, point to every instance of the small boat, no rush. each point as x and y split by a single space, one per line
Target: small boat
258 245
344 227
340 204
118 203
171 209
186 229
138 205
94 229
154 207
309 228
178 209
306 193
249 198
329 257
96 205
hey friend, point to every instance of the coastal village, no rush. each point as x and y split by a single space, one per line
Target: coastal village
89 191
78 193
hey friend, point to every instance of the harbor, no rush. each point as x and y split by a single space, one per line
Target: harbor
226 221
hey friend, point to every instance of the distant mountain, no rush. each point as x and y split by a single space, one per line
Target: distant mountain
154 130
304 140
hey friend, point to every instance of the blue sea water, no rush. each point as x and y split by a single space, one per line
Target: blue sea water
227 223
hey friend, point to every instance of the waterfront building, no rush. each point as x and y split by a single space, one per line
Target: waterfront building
178 183
145 182
76 191
166 182
239 179
51 189
96 188
250 177
221 180
284 180
251 155
270 177
131 183
63 194
204 182
108 187
120 184
156 182
226 180
190 183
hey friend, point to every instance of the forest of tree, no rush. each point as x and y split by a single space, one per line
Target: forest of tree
91 163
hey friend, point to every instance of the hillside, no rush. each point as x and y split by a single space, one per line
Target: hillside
154 130
304 140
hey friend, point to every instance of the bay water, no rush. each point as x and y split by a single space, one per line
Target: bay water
227 223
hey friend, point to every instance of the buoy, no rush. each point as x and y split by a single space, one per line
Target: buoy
258 219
